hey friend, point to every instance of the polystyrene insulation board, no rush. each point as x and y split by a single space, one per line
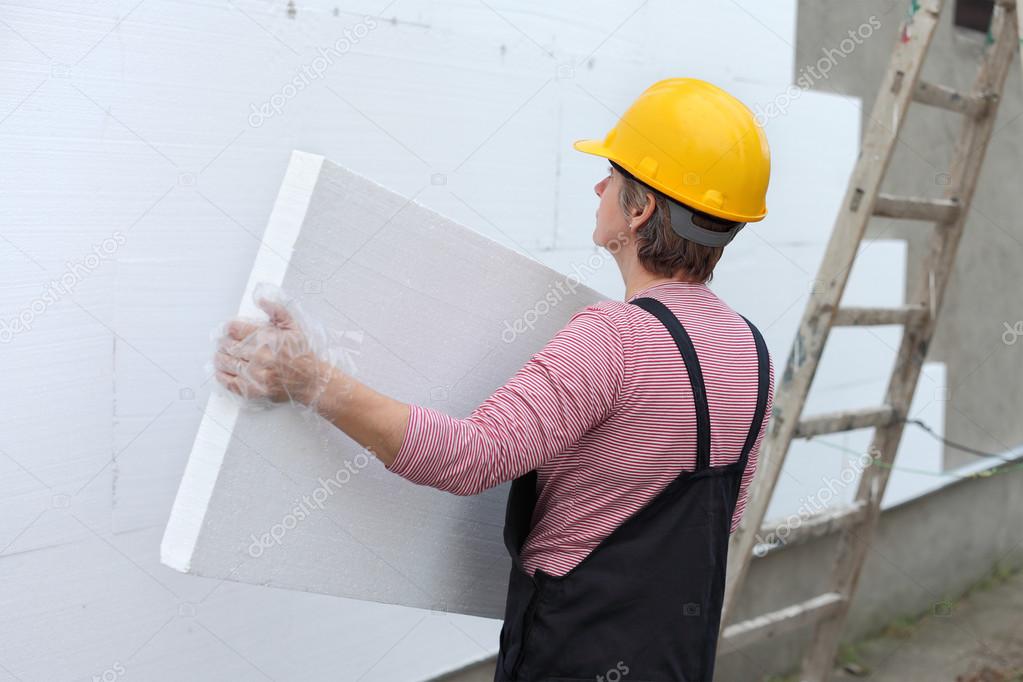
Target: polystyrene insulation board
426 310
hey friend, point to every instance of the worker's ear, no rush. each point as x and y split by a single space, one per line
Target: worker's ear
641 214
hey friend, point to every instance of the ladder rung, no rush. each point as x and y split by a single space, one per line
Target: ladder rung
866 317
778 622
915 208
848 420
944 97
785 534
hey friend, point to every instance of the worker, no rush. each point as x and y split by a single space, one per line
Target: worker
630 438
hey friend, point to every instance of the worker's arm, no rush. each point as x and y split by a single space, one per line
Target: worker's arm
371 419
565 389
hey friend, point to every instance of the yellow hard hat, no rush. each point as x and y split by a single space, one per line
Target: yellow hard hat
695 143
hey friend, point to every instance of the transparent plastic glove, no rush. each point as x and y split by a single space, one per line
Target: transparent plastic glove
286 358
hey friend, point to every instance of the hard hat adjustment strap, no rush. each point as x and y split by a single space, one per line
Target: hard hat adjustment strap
682 220
682 224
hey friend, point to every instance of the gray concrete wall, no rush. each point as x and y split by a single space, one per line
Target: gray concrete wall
985 375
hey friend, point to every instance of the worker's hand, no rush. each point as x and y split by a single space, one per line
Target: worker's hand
271 361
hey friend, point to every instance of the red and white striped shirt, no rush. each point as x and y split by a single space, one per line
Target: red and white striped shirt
605 413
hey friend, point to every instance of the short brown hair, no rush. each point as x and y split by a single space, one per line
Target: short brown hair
662 251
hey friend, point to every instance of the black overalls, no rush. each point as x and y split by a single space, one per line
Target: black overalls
645 604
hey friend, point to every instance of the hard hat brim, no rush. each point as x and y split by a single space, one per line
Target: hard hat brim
595 147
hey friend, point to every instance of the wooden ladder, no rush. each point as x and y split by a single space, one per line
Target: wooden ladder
856 523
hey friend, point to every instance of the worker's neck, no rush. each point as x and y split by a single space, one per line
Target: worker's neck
637 278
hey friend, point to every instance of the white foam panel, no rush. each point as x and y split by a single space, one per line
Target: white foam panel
424 305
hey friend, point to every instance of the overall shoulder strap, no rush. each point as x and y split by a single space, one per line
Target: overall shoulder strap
685 347
763 385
